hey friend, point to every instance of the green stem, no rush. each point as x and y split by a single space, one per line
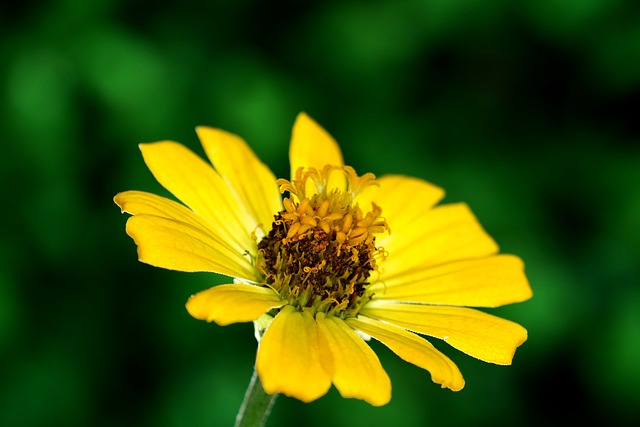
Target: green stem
256 405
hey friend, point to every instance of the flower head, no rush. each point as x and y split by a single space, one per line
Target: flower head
340 258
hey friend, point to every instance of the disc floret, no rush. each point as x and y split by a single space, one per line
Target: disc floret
321 249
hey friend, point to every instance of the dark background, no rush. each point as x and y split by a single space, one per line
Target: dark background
525 110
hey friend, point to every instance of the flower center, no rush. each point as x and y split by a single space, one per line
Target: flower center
321 249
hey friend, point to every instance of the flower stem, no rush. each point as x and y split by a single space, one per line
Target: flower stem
256 405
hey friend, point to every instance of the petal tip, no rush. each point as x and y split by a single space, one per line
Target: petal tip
117 199
302 115
201 130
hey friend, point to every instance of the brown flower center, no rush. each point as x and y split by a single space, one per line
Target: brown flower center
321 249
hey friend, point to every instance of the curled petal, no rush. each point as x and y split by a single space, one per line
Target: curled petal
181 246
226 304
143 203
412 349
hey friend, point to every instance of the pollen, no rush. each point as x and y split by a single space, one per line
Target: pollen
321 249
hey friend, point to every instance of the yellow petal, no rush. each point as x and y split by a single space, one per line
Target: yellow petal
481 335
413 349
288 357
401 198
198 185
251 179
142 203
444 234
226 304
485 282
312 146
356 370
181 246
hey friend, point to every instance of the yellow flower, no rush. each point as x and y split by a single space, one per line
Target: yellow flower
341 259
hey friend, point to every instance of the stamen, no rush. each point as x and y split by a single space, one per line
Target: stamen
321 249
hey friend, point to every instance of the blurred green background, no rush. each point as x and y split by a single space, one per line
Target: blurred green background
528 111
